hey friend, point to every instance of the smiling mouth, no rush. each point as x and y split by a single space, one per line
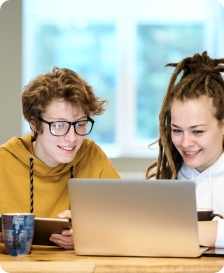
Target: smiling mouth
193 152
67 148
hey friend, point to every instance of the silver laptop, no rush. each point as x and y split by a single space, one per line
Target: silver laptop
126 217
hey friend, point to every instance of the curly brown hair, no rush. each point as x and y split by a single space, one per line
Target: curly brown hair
63 84
201 75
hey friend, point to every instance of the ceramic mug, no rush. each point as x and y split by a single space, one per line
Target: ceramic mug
207 214
18 230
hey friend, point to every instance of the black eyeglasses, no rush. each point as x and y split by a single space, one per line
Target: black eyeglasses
61 128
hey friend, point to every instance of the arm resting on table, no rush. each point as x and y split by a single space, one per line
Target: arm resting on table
207 231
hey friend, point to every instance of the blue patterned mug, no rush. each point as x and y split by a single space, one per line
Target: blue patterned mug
18 230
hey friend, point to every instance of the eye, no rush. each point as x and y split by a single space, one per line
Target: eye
176 131
82 123
58 125
198 132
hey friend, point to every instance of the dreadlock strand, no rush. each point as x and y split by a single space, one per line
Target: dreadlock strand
177 71
218 78
197 82
207 81
167 155
150 173
184 84
218 61
159 162
219 68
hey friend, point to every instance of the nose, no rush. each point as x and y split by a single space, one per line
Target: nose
187 141
71 135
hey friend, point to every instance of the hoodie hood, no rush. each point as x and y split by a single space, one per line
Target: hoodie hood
29 184
208 183
22 150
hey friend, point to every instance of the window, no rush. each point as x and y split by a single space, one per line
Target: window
122 53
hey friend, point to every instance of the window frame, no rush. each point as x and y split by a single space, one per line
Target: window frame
126 21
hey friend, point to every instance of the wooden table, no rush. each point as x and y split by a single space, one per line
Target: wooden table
55 259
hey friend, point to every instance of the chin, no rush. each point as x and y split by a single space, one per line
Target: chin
191 164
67 160
63 160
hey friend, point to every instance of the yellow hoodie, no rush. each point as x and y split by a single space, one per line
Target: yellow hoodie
50 191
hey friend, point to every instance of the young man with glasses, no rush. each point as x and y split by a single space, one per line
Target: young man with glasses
35 168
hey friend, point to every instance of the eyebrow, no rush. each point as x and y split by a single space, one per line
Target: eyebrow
192 127
62 119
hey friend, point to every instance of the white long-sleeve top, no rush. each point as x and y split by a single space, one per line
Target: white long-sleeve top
209 191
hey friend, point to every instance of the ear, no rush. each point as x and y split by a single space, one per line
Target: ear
222 126
32 125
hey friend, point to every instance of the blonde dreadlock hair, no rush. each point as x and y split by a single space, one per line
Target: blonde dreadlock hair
201 76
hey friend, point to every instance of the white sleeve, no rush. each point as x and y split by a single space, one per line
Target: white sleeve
220 234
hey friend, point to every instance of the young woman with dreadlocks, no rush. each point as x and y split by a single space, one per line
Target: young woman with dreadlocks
191 137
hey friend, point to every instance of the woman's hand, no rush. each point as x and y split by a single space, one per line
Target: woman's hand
65 239
207 231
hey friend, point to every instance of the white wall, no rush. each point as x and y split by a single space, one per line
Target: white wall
10 69
132 167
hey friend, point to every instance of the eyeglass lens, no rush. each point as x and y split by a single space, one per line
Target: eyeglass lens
61 128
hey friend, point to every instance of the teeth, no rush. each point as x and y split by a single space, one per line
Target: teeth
191 153
66 148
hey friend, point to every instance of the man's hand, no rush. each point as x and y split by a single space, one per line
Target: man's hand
65 239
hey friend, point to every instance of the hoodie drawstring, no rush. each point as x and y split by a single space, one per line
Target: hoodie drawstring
210 186
210 189
71 171
192 175
31 184
71 176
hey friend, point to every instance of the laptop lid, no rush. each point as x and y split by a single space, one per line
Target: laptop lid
128 217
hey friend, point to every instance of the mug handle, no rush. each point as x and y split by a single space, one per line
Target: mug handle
219 215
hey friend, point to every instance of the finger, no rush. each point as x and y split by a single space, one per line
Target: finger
65 213
63 244
67 232
63 241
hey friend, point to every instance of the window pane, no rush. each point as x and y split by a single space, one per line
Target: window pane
157 46
89 49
